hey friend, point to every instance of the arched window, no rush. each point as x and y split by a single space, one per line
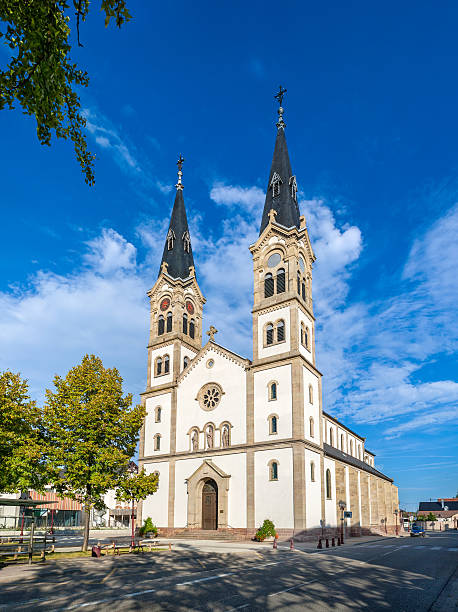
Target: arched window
268 285
166 364
273 424
192 328
275 184
307 338
272 391
157 414
185 362
341 442
302 334
351 448
359 451
158 366
160 326
304 294
281 280
328 484
280 331
312 427
185 323
331 436
169 322
298 282
157 442
273 470
310 394
312 471
269 333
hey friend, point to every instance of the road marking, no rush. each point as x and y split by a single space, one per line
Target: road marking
419 546
436 547
453 549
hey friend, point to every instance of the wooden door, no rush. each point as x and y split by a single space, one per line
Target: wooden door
210 505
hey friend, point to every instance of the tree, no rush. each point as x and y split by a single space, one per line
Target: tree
137 487
431 517
91 433
41 76
21 445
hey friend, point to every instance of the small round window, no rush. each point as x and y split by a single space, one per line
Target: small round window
210 363
301 264
274 260
209 396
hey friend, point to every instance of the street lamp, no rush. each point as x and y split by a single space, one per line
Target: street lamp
396 511
342 506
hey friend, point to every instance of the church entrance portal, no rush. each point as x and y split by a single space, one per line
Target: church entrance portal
210 505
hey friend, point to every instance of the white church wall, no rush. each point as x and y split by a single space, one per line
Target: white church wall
282 406
183 470
347 494
232 407
156 506
186 352
235 466
311 410
274 498
163 378
152 428
312 490
303 318
272 317
330 504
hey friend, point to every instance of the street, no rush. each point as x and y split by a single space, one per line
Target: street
402 574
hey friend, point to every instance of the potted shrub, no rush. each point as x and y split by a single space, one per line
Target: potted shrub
267 530
148 529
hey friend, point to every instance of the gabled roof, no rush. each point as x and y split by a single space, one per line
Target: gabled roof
335 453
211 345
284 203
437 506
177 249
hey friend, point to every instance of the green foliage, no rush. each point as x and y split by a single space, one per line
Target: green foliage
91 432
431 517
21 444
137 487
40 75
148 527
267 529
421 517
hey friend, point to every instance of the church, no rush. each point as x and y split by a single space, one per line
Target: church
237 441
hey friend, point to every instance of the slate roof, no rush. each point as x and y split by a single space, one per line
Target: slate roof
178 258
437 506
335 453
285 205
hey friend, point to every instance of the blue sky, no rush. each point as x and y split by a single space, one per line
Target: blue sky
372 131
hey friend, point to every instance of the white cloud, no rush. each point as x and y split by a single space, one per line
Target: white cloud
246 199
110 252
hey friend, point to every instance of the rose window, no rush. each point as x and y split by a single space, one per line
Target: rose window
209 396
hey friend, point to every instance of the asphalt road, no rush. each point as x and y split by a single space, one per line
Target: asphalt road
408 574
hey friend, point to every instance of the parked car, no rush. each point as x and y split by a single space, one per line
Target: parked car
417 530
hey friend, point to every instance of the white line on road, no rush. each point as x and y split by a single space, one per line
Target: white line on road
453 549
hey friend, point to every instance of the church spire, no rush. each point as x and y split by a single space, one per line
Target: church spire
281 193
177 256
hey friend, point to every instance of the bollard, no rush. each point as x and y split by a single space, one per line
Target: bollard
275 544
291 544
333 542
327 542
320 545
338 541
170 545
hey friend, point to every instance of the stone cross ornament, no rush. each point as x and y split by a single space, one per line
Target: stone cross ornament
211 333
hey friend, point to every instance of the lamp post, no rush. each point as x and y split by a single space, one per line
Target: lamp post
132 470
396 516
342 506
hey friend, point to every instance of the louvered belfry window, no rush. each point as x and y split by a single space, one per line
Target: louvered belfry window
185 323
268 285
169 322
192 328
269 334
281 280
166 364
280 331
160 326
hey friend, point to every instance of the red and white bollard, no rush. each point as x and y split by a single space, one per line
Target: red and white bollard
291 544
275 544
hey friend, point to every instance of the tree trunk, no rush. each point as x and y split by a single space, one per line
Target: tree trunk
86 514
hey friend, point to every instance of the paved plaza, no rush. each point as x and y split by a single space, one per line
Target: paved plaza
408 574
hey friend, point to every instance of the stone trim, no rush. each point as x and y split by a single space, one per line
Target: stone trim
195 483
284 358
250 491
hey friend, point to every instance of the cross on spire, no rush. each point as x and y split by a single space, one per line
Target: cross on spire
280 94
180 161
279 97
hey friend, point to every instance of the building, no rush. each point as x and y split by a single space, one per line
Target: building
444 509
234 440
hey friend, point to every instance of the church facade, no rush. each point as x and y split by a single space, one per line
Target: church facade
236 441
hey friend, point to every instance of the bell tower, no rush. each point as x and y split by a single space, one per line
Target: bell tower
283 321
176 302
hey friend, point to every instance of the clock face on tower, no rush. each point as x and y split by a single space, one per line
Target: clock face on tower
190 308
165 303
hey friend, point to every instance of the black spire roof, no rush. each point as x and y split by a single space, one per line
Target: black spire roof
284 203
177 250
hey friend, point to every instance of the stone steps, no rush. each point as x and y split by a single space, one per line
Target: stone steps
206 534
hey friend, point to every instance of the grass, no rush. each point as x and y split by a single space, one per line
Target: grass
74 554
